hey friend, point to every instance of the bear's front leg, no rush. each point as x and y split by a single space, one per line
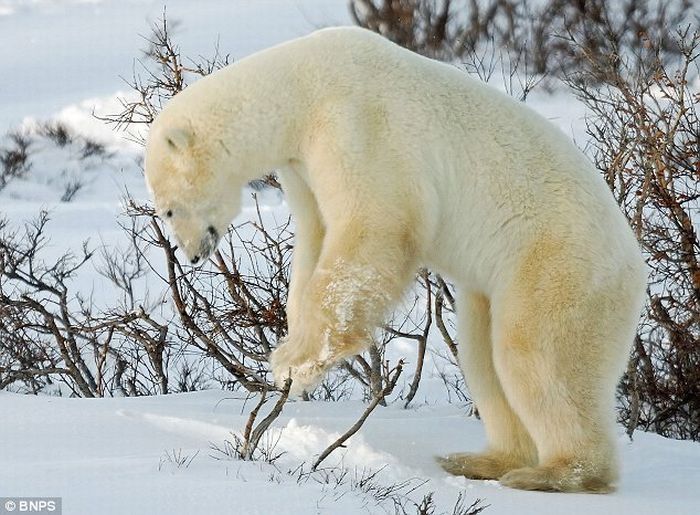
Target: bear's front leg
350 291
334 321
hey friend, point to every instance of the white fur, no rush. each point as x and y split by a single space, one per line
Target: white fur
391 161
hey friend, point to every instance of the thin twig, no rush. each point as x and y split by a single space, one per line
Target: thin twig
253 438
357 425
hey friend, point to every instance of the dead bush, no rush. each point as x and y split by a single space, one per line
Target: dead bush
454 29
645 138
14 161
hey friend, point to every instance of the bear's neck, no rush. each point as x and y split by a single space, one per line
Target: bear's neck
256 109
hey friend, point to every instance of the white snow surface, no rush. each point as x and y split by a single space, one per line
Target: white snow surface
119 455
111 456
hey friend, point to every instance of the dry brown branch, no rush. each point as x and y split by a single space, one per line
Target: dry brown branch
386 391
252 435
157 77
421 339
234 311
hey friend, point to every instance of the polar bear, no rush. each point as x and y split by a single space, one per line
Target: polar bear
391 161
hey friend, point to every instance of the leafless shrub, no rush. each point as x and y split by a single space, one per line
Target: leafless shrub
233 311
420 26
189 376
57 132
395 496
444 308
61 135
423 309
234 449
177 459
232 314
71 189
412 321
336 386
15 159
427 506
462 508
455 29
253 433
600 28
456 390
46 136
49 331
36 308
158 76
446 358
420 337
645 139
513 66
92 148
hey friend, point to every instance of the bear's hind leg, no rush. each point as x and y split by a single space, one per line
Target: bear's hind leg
573 436
510 447
558 369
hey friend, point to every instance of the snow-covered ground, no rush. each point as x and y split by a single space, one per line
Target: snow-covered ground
120 456
155 455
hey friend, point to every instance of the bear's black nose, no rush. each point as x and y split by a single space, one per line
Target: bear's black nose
194 260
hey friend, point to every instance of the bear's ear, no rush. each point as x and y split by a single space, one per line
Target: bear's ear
179 138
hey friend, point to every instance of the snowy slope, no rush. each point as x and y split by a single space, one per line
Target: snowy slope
111 456
119 456
61 52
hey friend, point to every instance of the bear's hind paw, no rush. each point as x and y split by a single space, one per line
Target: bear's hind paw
476 466
555 479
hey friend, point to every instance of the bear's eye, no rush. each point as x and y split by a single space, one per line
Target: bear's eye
169 213
171 143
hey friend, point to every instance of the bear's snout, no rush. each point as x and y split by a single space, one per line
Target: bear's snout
207 246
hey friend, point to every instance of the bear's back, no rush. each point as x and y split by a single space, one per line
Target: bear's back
467 132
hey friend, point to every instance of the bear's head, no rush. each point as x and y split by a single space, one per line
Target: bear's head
193 187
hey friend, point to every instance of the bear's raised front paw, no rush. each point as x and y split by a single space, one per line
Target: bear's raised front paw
305 371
